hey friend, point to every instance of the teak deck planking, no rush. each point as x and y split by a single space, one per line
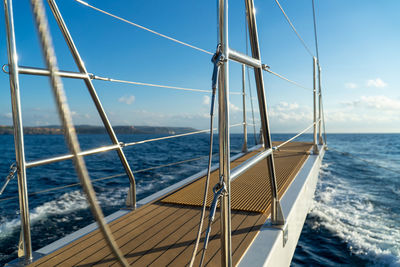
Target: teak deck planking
162 233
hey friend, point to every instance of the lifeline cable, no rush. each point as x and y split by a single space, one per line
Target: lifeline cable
294 29
176 135
95 77
294 137
286 79
107 178
144 28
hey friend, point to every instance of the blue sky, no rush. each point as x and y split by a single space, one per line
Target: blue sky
359 56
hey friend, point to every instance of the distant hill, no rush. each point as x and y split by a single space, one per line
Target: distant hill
88 129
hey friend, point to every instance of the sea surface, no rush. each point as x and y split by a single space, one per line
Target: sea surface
354 221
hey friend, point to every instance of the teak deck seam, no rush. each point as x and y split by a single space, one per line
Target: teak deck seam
163 232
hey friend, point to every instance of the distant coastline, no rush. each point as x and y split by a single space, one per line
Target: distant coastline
90 129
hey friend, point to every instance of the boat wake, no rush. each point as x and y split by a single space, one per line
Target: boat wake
347 208
64 205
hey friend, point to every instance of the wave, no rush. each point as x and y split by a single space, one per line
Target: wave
75 200
353 216
65 204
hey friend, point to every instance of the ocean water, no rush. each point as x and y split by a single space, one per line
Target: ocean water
354 221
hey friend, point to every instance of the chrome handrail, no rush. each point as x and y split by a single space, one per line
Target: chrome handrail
244 147
106 177
70 156
245 166
18 133
226 174
315 146
277 216
223 129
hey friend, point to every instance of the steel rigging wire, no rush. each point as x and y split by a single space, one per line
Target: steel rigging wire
107 177
294 29
144 28
174 40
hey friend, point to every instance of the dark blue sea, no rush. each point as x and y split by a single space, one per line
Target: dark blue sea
354 221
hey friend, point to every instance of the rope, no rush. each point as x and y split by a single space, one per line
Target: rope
286 79
107 177
175 136
203 209
294 137
95 77
69 130
294 29
143 28
364 160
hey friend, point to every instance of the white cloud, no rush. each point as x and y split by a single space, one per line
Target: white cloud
380 102
290 112
284 106
233 108
206 100
378 83
127 99
351 85
8 115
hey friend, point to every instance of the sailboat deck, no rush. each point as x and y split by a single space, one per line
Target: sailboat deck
163 232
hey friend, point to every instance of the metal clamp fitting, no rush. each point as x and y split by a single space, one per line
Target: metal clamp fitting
265 67
217 59
219 189
10 176
4 69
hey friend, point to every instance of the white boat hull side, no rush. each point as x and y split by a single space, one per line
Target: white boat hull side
267 248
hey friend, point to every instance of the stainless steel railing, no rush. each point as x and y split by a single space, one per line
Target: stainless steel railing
226 174
26 244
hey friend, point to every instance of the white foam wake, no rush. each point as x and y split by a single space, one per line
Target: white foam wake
66 203
349 213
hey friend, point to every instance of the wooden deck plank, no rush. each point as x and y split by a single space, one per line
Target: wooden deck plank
92 238
91 248
186 242
183 259
244 238
130 234
245 225
165 244
251 190
158 233
161 234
